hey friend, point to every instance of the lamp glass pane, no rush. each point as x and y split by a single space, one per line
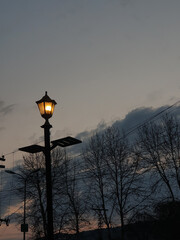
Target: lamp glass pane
41 108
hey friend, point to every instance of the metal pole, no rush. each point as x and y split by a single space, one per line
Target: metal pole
24 226
24 233
50 235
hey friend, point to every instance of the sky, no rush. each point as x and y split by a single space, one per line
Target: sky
100 60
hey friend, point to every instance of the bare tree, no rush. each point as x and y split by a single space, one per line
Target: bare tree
124 174
75 195
114 169
36 191
94 156
171 145
160 145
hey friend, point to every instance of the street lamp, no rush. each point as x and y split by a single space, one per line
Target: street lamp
24 226
46 107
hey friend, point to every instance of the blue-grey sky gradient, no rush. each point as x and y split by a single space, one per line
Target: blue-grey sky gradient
99 59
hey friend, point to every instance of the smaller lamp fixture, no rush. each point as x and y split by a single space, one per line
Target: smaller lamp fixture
46 106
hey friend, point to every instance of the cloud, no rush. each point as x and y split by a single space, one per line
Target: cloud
86 134
131 121
129 124
4 110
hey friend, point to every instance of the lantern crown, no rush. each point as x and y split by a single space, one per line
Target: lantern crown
46 106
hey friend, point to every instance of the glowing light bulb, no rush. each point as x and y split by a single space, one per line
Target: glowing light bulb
48 108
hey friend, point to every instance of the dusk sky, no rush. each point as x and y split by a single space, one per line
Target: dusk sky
98 59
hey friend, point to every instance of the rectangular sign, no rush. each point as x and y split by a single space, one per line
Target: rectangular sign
24 227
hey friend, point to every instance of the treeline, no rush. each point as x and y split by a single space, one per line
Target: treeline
116 180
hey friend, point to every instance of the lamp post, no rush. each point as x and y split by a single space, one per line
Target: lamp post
46 108
24 226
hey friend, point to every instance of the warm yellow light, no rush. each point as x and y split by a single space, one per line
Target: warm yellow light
46 106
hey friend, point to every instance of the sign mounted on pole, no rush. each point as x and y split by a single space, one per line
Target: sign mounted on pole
24 227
